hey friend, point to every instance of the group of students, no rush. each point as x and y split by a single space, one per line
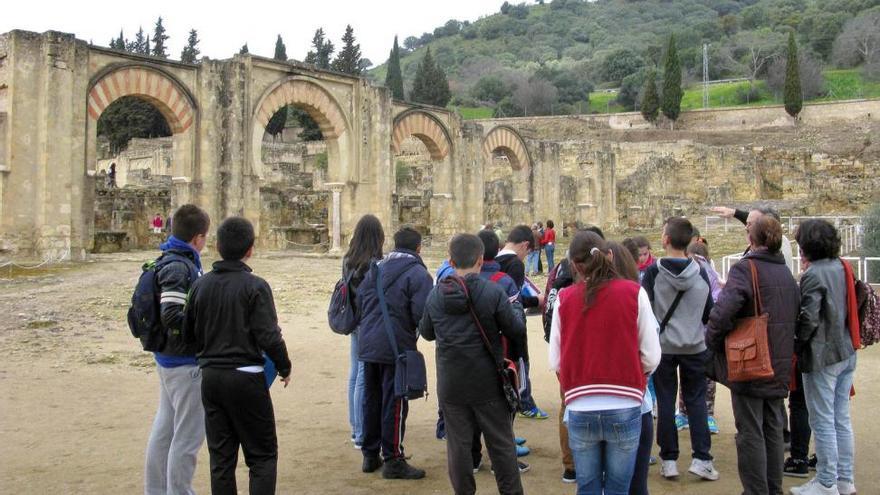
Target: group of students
610 329
223 349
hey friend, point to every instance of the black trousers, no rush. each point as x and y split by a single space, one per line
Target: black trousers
496 423
759 446
799 420
238 411
639 483
693 391
384 414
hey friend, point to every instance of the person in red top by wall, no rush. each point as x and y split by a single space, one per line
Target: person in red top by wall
548 242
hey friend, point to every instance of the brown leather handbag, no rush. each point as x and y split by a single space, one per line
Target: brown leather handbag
746 347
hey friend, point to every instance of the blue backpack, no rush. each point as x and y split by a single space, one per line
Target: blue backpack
145 315
341 314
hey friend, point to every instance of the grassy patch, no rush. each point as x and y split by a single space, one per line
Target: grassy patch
472 113
602 102
848 84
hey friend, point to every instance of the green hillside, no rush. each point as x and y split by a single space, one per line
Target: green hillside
550 57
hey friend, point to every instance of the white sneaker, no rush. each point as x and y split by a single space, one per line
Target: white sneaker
846 487
813 487
669 469
704 469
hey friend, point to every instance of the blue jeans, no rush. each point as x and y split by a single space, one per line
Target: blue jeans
532 262
356 393
827 394
604 445
549 249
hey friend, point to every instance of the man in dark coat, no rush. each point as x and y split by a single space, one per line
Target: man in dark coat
758 405
405 283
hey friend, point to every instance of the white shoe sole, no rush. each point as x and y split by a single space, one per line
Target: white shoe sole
704 476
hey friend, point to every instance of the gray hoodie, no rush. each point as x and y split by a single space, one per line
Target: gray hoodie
684 334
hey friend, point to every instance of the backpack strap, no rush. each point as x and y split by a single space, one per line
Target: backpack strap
496 277
671 310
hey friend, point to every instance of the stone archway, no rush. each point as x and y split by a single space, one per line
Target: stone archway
508 196
426 200
320 104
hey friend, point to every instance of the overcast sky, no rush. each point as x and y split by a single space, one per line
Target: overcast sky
224 26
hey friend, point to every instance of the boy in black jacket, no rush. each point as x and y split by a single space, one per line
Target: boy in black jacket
230 315
468 384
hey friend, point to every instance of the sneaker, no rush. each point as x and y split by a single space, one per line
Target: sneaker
811 462
477 466
522 451
704 469
796 468
713 425
519 440
813 487
681 422
846 487
652 460
569 476
399 469
371 464
534 413
523 467
358 446
669 469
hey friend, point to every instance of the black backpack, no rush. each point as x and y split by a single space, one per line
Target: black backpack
341 314
145 315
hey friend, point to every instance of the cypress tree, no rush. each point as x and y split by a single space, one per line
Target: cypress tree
793 98
672 93
244 49
430 85
440 93
280 50
190 52
322 50
650 101
140 44
159 38
394 76
349 58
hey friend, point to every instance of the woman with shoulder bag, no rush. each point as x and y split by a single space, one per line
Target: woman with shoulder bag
758 408
603 344
364 248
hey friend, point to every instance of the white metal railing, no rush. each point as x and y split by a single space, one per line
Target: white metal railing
867 268
839 221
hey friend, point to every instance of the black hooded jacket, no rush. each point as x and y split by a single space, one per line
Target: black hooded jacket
466 373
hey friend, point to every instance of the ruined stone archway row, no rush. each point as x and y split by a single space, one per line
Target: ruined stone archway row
144 82
508 142
424 127
312 98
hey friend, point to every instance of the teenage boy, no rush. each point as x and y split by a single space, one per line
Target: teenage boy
468 385
510 259
680 295
406 284
230 316
179 427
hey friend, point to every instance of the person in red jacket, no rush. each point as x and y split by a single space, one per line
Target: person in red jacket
548 242
603 343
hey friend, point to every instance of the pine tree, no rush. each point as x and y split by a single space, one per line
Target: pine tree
394 76
244 49
322 50
430 85
280 50
672 93
191 52
119 43
140 44
349 58
793 98
650 101
159 38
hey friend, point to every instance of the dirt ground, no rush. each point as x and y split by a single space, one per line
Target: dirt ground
77 396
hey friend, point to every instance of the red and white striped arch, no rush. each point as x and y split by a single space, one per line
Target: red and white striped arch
148 84
506 141
426 129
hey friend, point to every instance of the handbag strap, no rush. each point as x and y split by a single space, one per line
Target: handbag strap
671 310
756 289
380 293
483 336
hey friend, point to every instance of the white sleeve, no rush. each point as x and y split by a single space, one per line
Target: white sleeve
649 334
555 338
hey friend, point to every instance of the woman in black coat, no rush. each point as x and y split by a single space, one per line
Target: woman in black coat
758 405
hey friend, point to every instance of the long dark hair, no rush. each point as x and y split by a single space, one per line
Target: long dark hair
624 262
589 257
366 243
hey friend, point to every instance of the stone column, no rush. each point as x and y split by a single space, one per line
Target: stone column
336 216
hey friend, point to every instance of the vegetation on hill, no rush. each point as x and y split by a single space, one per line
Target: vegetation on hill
547 58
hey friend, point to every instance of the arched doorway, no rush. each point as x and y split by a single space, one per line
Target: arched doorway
422 156
507 178
300 177
141 124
